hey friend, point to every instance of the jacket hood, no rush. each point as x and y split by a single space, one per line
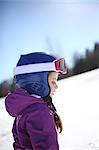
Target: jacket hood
17 101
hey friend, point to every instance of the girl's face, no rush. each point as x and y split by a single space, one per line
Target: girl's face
52 79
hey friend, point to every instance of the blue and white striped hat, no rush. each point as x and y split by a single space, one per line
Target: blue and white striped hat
31 72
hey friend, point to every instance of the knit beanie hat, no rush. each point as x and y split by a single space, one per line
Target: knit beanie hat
35 82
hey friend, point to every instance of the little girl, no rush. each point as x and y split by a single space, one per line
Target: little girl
36 120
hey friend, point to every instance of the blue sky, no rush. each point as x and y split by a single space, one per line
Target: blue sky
62 27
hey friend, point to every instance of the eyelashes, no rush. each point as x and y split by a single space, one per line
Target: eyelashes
53 82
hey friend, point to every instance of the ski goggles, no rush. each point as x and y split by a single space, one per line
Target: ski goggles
57 65
60 65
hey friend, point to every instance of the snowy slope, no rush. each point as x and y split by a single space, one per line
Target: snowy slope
77 103
5 128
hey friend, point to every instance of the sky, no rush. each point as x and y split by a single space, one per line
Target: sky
79 112
53 26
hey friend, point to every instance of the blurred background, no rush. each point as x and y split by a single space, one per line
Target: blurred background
65 28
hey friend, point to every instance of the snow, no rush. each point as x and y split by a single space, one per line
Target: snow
6 122
77 103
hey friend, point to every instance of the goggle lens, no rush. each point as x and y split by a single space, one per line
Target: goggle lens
61 65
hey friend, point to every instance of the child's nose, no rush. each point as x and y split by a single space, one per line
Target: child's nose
56 86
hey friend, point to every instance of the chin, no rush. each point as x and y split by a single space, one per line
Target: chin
51 94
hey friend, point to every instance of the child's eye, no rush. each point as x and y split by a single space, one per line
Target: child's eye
53 82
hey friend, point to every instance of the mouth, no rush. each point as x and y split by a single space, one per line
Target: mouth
52 93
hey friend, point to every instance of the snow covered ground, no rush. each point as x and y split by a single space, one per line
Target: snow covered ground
78 105
6 122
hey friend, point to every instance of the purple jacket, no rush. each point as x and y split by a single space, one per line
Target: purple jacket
34 126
